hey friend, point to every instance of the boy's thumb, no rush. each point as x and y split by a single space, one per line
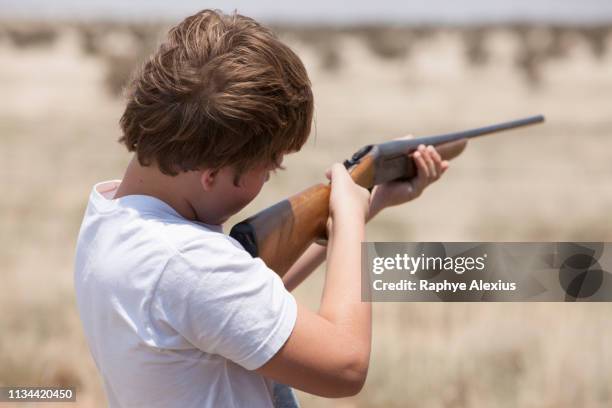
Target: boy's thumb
332 172
336 171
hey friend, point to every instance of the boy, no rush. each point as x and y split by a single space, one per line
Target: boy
175 312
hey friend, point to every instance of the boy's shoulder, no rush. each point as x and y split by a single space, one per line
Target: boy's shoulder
138 228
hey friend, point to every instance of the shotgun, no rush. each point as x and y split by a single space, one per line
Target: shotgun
281 233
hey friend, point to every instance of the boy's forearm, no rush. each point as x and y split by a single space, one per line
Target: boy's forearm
341 303
304 266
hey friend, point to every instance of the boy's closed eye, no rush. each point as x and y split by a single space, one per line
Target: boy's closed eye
278 167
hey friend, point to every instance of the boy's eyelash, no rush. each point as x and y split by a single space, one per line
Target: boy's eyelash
277 168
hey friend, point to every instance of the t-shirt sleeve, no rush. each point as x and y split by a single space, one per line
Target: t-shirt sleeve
225 302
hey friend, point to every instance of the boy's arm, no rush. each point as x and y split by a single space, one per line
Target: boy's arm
304 266
328 352
429 169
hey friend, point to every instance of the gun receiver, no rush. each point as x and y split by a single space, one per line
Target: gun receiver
281 233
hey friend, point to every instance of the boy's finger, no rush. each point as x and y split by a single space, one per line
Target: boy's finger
422 169
444 166
430 163
437 161
434 154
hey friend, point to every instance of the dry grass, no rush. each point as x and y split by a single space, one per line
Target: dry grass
58 122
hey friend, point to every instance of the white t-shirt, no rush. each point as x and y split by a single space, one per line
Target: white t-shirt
176 313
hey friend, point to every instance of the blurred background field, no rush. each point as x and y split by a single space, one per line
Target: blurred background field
61 85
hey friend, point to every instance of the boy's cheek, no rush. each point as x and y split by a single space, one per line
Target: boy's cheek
232 198
241 197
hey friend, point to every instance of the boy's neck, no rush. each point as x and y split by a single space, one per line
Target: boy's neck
141 180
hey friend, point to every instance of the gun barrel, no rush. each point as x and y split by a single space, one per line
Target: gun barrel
397 146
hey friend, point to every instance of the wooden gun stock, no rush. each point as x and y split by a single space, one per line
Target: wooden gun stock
280 234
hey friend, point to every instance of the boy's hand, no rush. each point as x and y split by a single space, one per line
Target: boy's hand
347 200
430 167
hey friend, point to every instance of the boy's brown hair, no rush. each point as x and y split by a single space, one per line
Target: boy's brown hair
222 90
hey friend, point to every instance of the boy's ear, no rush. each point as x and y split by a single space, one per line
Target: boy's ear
207 179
